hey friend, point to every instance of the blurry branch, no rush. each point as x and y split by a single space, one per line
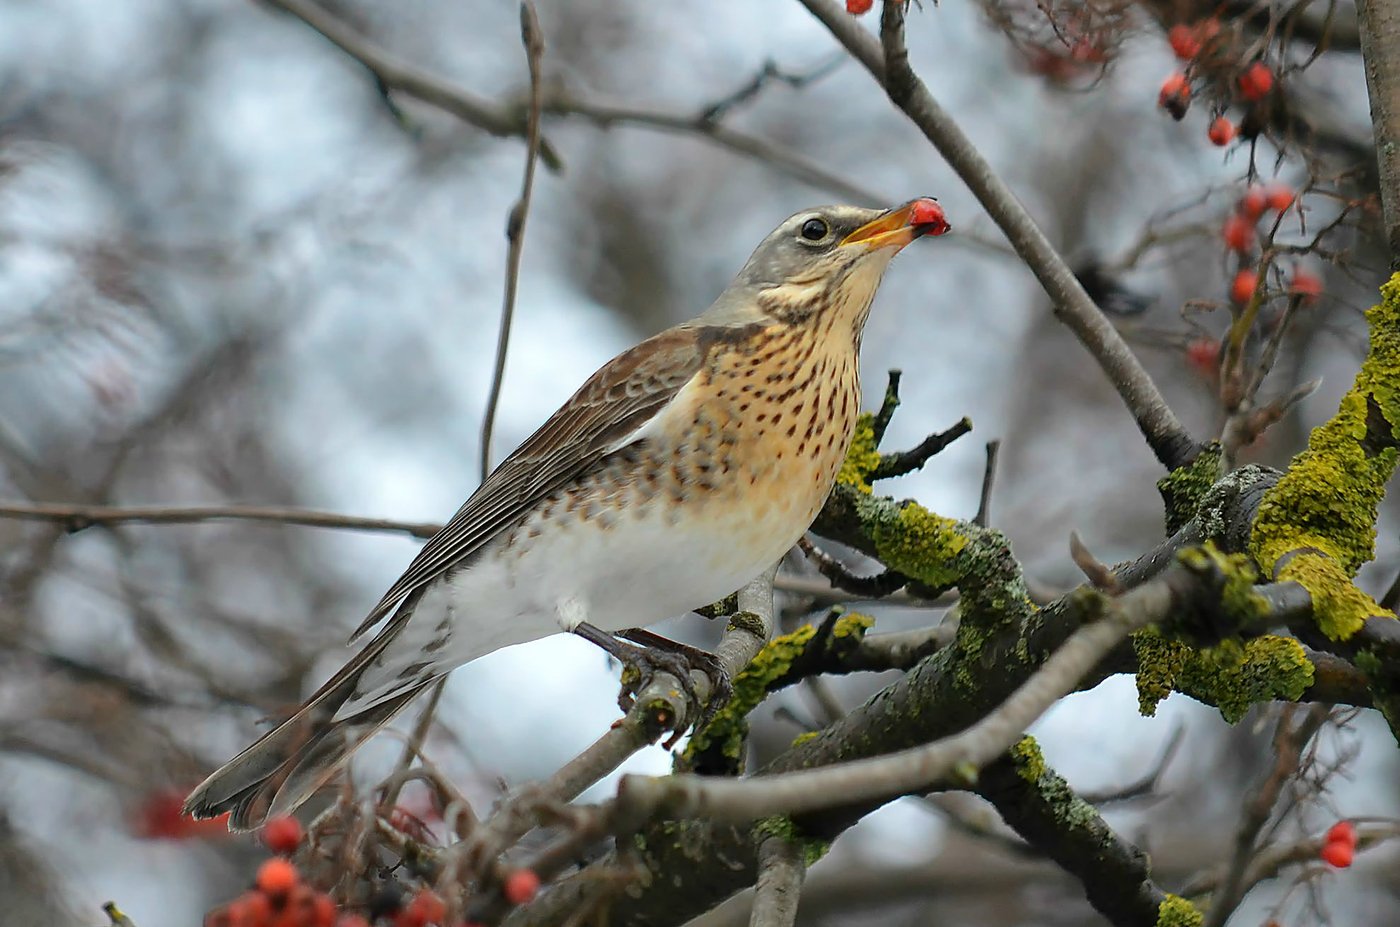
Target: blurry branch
1380 37
1147 784
397 75
780 871
75 517
533 40
605 115
767 74
1270 861
1289 742
888 62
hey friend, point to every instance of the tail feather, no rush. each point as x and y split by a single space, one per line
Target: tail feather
285 766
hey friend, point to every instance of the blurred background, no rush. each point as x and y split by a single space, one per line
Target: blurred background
232 270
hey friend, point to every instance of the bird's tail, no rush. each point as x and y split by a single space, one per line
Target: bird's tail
285 766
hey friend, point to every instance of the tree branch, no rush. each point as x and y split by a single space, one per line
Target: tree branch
75 517
1379 22
780 872
889 65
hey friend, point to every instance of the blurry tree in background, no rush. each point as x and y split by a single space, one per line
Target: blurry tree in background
252 259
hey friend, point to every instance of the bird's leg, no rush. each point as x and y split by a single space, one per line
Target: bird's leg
652 654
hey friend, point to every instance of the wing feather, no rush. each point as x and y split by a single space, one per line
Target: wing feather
602 417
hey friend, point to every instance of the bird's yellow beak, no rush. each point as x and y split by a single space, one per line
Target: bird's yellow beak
901 225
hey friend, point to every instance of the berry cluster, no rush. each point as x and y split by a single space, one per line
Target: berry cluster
1339 846
1240 233
1203 44
280 897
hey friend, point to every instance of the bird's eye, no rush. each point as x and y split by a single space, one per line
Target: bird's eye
814 229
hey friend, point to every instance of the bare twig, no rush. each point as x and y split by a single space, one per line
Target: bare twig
902 462
533 40
888 405
769 73
77 516
1289 742
989 476
780 872
394 74
1099 574
871 587
889 65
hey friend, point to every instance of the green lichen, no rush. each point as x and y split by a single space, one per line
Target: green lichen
1160 661
1232 676
767 670
1175 911
1325 506
783 827
805 737
1240 603
863 456
918 543
1185 487
1029 761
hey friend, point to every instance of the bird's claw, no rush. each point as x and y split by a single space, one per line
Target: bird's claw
652 654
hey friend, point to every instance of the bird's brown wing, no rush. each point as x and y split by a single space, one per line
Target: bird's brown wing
616 401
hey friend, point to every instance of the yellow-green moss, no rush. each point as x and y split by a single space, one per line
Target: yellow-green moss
1175 911
805 737
1231 676
1183 489
726 731
863 456
1329 497
1030 762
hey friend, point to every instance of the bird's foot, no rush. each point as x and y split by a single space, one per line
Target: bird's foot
645 655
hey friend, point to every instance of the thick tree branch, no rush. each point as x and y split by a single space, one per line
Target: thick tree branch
889 65
1379 22
780 872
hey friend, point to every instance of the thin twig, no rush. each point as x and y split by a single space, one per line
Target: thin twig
889 65
394 74
899 463
989 476
1289 741
533 40
870 587
77 516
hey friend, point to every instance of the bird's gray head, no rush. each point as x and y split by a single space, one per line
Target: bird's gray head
829 258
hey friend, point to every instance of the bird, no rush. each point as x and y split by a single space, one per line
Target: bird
679 471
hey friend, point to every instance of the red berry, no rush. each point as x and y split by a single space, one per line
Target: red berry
277 877
1243 286
1342 831
520 886
322 911
427 907
1253 203
1256 81
1175 95
352 920
251 909
1279 196
857 7
928 212
1184 40
282 835
1221 131
1309 286
1203 354
1239 233
1338 853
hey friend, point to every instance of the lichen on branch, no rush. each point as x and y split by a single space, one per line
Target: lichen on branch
1316 527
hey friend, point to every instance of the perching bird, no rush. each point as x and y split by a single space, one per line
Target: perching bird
676 473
